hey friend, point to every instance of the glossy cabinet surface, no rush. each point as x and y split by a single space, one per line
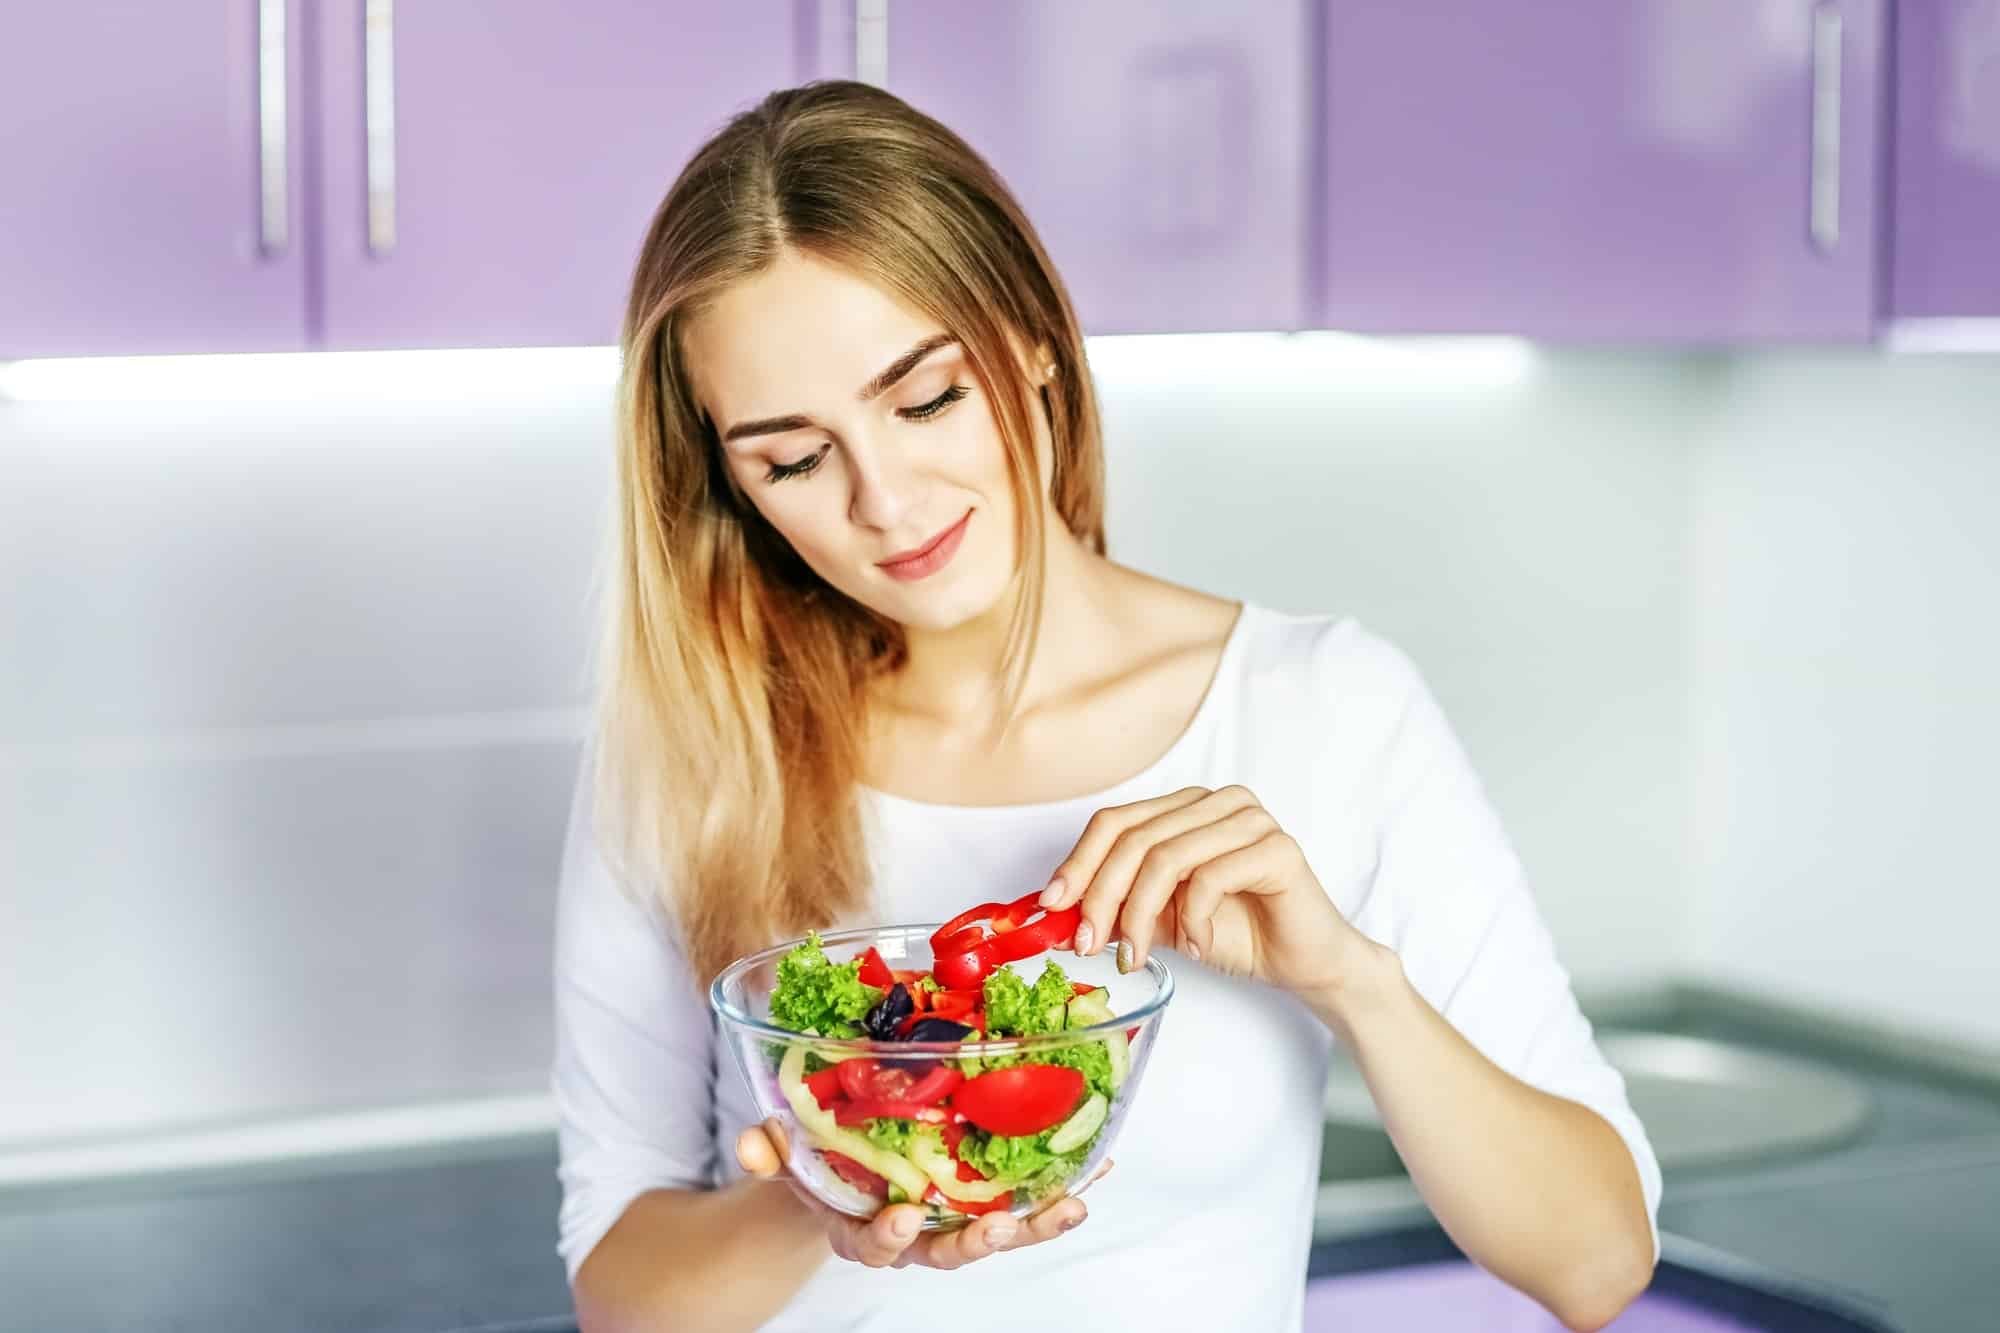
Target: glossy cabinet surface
1162 150
518 152
133 174
1684 170
1947 202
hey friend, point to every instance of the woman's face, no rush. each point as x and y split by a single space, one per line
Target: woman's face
857 429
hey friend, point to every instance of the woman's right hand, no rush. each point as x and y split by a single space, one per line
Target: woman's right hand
894 1238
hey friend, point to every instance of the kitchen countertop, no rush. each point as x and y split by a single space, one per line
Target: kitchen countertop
424 1246
1905 1223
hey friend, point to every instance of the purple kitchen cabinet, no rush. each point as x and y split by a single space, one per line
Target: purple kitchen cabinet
149 178
1161 150
1947 235
491 165
1646 170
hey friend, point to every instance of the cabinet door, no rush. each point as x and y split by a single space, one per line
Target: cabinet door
1700 170
1159 148
145 203
491 165
1947 246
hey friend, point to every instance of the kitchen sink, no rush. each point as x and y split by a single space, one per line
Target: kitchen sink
1706 1103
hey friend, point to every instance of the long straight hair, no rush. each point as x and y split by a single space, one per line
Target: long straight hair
731 704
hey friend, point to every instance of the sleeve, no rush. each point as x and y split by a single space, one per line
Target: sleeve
633 1076
1451 898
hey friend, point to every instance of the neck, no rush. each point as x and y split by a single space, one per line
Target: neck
953 677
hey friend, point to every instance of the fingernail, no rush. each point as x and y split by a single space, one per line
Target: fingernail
1000 1230
1125 962
904 1227
1084 935
1193 951
1072 1222
1053 893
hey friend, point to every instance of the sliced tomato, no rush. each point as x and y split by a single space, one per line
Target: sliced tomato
858 1113
938 1082
1131 1034
1081 988
1020 1099
825 1086
875 972
856 1174
999 1205
873 1080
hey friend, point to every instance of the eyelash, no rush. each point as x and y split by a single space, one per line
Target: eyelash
926 412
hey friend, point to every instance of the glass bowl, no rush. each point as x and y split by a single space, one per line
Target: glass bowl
773 1059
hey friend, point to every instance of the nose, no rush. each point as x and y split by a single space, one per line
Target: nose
882 486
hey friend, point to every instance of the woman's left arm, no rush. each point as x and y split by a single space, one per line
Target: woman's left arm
1537 1188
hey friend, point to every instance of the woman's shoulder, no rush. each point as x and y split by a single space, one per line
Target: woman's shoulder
1325 657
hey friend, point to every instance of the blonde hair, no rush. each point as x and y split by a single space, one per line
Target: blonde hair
731 717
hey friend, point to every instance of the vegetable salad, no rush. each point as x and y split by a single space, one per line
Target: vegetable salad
963 1135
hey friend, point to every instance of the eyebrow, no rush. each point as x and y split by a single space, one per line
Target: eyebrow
875 388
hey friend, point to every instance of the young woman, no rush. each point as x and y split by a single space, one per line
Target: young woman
867 661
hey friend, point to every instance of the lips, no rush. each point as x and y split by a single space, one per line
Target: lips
904 557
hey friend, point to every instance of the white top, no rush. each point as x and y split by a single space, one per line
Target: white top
1207 1219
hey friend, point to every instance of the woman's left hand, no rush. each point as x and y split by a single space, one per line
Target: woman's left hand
1211 874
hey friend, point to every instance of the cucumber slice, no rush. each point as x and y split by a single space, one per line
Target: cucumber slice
822 1131
1086 1120
1091 1008
931 1158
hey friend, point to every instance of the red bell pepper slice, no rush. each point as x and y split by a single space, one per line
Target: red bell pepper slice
955 1004
874 971
964 956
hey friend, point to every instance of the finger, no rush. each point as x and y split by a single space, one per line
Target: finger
1168 863
973 1241
879 1242
1107 892
759 1149
1099 832
1250 869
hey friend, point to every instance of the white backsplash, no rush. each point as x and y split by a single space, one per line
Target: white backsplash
290 701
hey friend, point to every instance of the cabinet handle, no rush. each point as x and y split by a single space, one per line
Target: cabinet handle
1825 220
378 77
273 186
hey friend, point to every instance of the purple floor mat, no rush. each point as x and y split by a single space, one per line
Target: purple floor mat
1430 1298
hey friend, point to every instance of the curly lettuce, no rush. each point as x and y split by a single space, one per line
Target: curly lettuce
824 997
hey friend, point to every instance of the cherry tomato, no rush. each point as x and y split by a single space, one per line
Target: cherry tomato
861 1112
1020 1099
871 1080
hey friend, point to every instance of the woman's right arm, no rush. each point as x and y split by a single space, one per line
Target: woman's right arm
720 1259
731 1258
642 1231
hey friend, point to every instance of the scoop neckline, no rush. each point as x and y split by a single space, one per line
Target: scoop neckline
1231 649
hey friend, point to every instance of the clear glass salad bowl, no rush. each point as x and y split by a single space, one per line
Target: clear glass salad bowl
1011 1141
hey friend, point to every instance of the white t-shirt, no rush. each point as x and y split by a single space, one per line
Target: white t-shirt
1207 1219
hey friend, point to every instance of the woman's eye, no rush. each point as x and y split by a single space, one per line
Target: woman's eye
779 471
937 404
